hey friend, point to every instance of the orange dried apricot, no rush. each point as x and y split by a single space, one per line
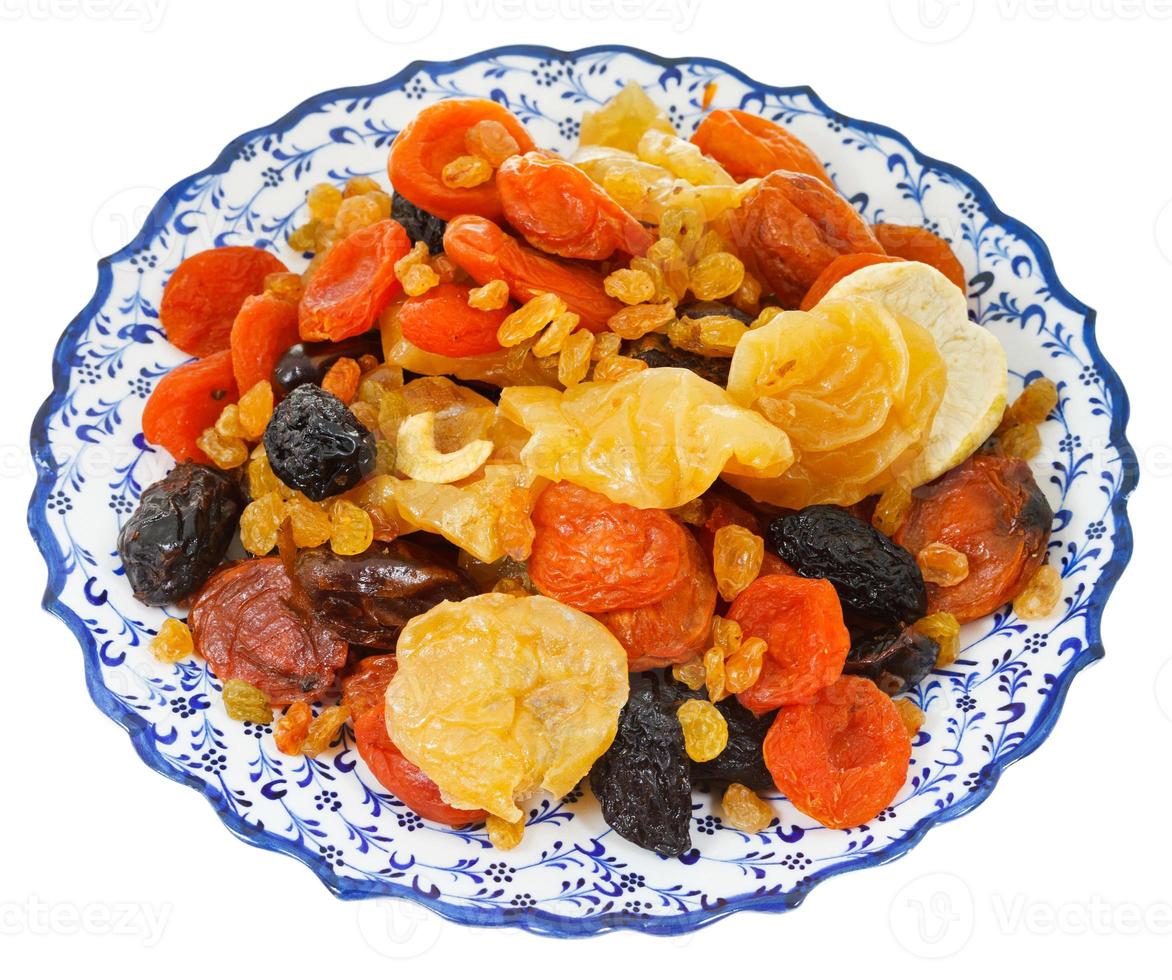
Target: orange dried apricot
186 401
839 268
264 329
920 245
443 321
750 146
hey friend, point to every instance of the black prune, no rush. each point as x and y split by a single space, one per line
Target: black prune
742 760
642 781
179 533
703 308
368 598
307 363
876 580
316 445
896 660
420 225
655 352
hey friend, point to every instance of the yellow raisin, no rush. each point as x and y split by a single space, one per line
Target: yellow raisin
311 523
355 214
261 478
686 334
1034 405
714 679
511 586
324 238
745 810
493 295
243 702
716 276
574 357
529 319
490 141
284 285
173 642
302 239
672 262
767 313
382 201
726 634
653 272
227 453
357 186
737 554
617 366
892 509
721 333
256 408
466 171
504 834
260 522
747 298
556 334
705 729
944 628
743 668
1040 596
630 286
683 226
633 322
292 728
941 564
693 512
228 424
324 201
324 729
1023 441
418 255
711 243
606 344
351 530
691 673
419 279
913 717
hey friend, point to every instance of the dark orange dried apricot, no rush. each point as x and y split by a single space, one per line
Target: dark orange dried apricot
750 146
920 245
186 401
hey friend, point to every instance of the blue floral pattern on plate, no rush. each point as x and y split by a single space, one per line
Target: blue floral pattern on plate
571 875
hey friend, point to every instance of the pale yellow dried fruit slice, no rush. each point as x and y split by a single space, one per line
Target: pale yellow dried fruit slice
623 119
975 395
417 456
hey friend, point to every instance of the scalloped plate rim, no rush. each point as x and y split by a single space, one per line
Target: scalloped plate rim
536 920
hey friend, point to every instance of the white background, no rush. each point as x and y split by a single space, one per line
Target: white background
1060 108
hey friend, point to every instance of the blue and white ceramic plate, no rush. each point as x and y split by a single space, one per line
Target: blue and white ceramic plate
571 875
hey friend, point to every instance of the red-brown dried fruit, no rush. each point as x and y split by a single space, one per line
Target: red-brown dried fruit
187 400
920 245
365 686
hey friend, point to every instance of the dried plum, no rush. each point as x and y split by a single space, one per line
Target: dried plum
876 580
307 362
702 308
655 352
643 781
179 533
368 598
896 660
316 445
420 225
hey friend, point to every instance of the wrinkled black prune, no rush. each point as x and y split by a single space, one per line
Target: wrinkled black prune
896 660
702 308
179 533
307 363
420 225
876 580
368 598
656 352
642 781
742 760
316 445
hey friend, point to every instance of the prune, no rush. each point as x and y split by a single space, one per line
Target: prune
368 598
643 781
742 760
420 225
656 352
179 533
876 580
307 363
699 309
895 660
316 445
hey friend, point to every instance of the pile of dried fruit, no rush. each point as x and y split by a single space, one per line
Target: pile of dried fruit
654 464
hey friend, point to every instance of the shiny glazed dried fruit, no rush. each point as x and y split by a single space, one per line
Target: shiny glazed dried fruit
179 533
365 686
896 660
307 363
876 580
658 438
368 598
500 695
420 225
842 758
990 509
245 626
316 445
643 781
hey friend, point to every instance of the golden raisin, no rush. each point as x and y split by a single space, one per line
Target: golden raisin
228 424
341 380
1034 405
630 286
574 358
1022 441
1040 596
324 201
944 628
227 453
383 201
355 214
705 729
693 512
511 586
716 276
556 334
360 185
351 530
302 239
260 522
941 564
892 509
737 554
529 319
683 226
256 408
912 716
721 333
743 668
284 285
617 366
633 322
691 673
418 279
745 810
311 524
261 478
324 729
606 344
173 642
292 728
714 679
726 634
493 295
504 834
243 702
489 140
466 171
672 263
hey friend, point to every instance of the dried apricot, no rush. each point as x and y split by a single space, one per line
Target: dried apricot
436 137
560 210
990 509
443 321
801 621
354 283
365 687
920 245
839 268
206 291
842 758
292 728
263 330
186 401
750 146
